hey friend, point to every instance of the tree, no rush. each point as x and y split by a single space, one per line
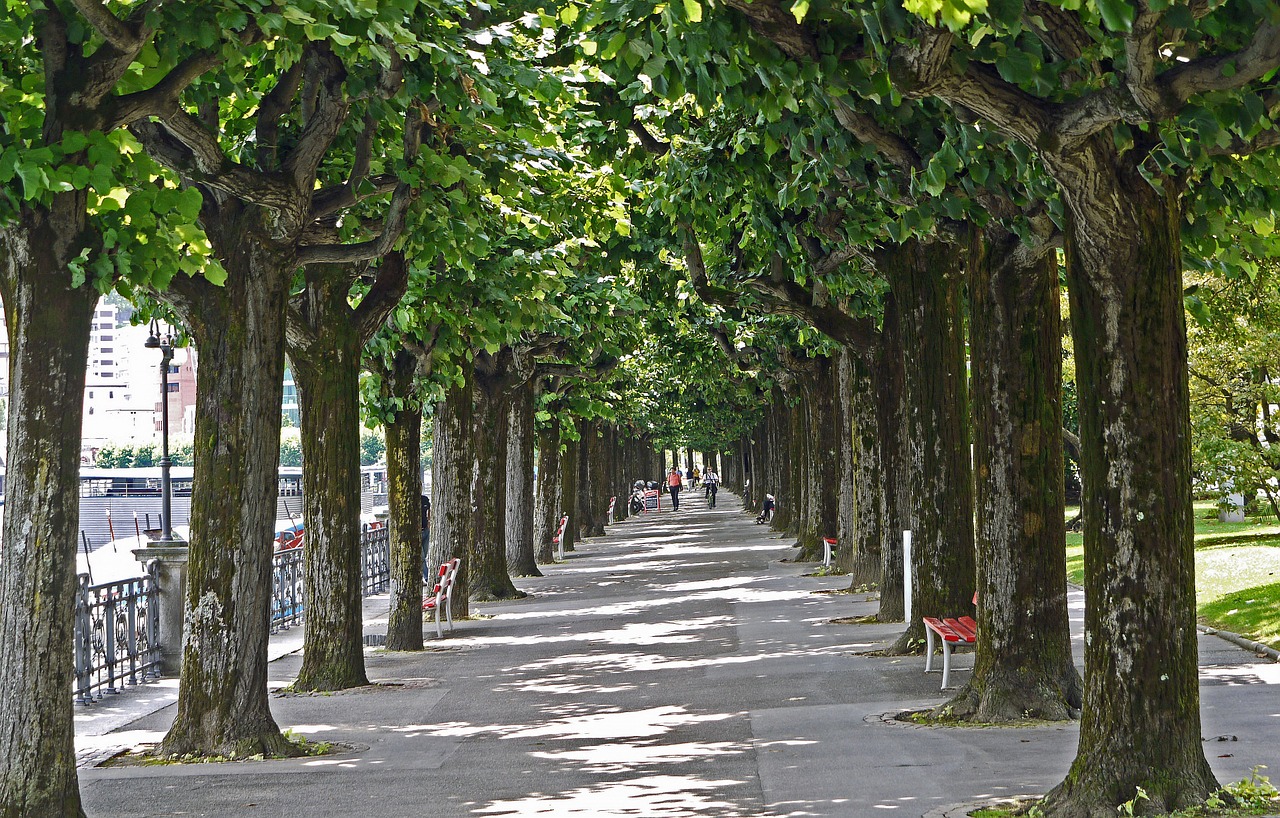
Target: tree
78 212
1141 723
1233 364
266 147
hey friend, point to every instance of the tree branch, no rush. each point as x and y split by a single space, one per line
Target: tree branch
1260 56
648 141
324 110
163 96
771 20
182 144
388 288
122 36
866 130
274 105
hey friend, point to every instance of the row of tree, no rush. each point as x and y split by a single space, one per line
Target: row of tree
578 217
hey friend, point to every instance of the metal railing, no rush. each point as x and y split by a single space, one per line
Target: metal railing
117 628
117 624
287 607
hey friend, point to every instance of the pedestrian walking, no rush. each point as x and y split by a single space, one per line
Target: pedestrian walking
674 483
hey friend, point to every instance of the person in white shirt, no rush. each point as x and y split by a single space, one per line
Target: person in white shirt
711 481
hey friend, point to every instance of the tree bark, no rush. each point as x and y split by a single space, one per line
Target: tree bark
325 350
895 501
488 575
49 323
1024 665
866 476
222 696
1141 721
569 493
927 283
521 559
452 477
404 498
547 510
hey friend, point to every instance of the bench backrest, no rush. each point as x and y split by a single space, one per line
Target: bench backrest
564 522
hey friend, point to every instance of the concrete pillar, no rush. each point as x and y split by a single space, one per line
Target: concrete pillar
171 578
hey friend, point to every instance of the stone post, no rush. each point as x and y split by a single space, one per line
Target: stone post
171 578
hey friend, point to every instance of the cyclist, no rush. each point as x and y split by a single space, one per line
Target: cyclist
711 482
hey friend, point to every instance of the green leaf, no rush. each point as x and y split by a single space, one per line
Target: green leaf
693 10
799 9
1117 14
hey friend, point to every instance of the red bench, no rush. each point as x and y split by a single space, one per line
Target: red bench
613 501
558 539
442 594
951 632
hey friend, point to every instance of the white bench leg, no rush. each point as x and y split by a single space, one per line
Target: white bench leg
439 632
928 651
826 553
946 664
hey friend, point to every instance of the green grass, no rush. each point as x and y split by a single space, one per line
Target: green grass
1254 612
1235 562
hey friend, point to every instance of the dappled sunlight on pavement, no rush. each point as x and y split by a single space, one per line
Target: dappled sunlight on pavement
680 666
651 795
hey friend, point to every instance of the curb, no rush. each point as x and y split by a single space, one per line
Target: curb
1243 642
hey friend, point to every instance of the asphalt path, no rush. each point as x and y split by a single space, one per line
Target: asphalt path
680 666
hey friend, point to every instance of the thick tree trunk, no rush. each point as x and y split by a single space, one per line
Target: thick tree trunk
569 492
1141 721
404 498
327 370
927 281
521 560
1024 665
452 477
547 509
865 479
49 324
239 328
590 522
889 375
488 575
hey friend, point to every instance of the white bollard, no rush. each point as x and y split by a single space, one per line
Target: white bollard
906 574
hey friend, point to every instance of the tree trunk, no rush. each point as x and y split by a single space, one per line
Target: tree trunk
488 575
521 560
927 280
239 328
452 478
49 324
326 367
548 507
1141 721
589 522
889 375
404 498
863 475
1024 665
569 493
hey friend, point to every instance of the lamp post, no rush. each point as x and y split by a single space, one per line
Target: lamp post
165 345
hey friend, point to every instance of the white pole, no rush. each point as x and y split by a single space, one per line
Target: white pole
907 571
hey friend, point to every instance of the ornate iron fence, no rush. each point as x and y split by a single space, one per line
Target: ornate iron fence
375 558
117 624
286 575
117 629
286 589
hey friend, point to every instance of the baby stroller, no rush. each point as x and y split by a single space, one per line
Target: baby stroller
766 512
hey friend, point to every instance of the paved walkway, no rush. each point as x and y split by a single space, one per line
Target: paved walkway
677 667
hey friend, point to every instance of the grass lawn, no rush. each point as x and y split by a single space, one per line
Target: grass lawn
1237 573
